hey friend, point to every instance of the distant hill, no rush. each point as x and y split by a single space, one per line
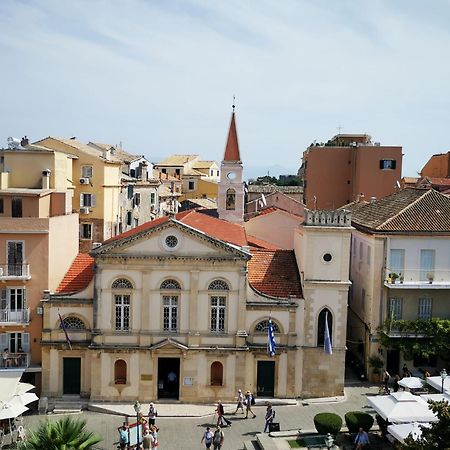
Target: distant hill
273 170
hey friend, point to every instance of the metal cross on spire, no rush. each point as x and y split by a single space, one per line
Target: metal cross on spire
233 105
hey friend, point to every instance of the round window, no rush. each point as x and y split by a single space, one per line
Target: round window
171 241
327 257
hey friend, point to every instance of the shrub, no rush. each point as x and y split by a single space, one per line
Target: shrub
327 423
356 419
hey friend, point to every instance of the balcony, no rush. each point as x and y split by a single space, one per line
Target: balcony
417 279
18 316
14 272
15 361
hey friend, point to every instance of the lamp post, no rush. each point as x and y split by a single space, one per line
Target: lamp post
329 441
443 376
137 408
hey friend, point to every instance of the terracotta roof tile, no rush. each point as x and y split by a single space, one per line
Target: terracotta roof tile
260 243
408 210
275 273
78 276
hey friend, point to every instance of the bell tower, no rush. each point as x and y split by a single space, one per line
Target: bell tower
230 200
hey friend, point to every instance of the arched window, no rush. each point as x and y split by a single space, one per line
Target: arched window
321 326
216 374
218 285
122 304
120 372
170 305
263 327
73 323
122 283
170 284
231 199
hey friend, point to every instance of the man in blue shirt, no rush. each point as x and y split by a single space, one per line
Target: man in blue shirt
123 436
361 439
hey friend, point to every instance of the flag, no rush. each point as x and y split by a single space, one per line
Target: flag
263 199
327 341
69 343
270 339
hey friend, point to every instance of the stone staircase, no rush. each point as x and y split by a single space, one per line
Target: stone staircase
68 404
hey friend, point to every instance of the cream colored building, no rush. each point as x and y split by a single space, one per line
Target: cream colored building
178 308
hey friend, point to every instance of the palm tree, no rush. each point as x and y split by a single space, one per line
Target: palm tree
64 434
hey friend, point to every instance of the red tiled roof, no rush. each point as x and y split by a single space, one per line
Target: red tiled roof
232 147
78 276
213 227
260 243
274 273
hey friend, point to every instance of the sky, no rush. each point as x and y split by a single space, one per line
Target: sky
159 76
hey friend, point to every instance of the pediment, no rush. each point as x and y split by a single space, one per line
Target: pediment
169 344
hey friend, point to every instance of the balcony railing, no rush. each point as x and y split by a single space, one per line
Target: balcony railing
16 316
15 360
15 272
417 278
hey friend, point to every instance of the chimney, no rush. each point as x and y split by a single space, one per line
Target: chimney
361 197
143 172
373 199
46 178
24 141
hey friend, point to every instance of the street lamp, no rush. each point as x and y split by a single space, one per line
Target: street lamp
443 376
329 441
137 408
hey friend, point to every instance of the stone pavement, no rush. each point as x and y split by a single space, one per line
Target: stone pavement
184 428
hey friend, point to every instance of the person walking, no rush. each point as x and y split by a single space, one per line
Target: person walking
152 414
154 437
386 378
396 385
270 415
207 437
221 415
123 436
218 439
361 439
240 402
248 404
147 440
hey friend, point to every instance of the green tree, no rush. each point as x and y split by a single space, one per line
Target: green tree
438 436
63 434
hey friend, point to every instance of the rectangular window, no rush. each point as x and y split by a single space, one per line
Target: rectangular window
395 308
15 258
122 303
1 206
16 207
388 164
152 198
427 258
86 231
425 305
87 200
217 173
86 171
211 172
136 222
217 314
397 261
170 312
369 254
191 185
137 199
177 172
361 251
163 170
129 218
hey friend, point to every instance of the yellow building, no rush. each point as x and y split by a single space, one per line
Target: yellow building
96 180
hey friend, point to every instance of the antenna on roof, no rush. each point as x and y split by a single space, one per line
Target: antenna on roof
233 105
339 128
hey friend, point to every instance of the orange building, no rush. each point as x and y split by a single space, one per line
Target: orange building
348 166
438 166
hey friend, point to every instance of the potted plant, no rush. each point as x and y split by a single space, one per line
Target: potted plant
430 276
376 363
394 276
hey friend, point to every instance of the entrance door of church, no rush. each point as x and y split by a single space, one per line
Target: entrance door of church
265 379
71 376
169 378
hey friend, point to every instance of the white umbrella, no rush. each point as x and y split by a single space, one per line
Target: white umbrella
402 407
12 409
403 430
436 382
411 382
27 397
23 387
9 380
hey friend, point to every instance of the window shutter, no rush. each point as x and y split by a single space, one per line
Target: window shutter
3 299
81 200
24 297
130 191
93 199
4 341
26 342
81 230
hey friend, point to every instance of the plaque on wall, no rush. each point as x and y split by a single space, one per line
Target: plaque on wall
188 381
146 377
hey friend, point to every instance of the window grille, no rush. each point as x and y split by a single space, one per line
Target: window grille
122 283
218 285
263 327
218 314
170 284
73 323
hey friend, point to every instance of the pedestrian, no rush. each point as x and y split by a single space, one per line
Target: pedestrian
154 436
405 371
207 437
396 385
221 415
218 438
249 401
123 436
386 378
152 414
361 439
147 440
240 402
270 415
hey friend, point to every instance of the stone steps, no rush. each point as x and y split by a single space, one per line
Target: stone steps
251 445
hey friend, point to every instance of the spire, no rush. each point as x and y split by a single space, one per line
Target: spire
232 147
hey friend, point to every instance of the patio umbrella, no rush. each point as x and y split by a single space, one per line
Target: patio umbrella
27 397
402 407
436 382
403 430
437 397
23 387
12 408
9 380
411 382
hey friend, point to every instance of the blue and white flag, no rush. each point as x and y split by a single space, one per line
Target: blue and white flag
270 339
69 342
327 340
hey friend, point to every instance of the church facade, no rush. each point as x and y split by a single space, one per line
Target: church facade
179 307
